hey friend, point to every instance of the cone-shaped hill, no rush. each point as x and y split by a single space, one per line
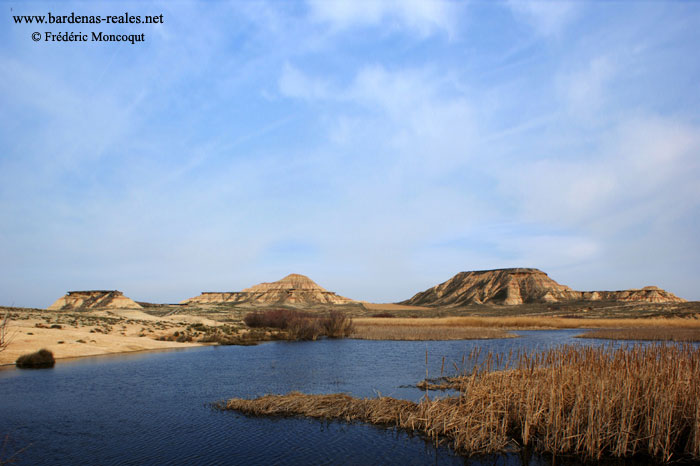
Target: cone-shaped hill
292 289
523 285
93 299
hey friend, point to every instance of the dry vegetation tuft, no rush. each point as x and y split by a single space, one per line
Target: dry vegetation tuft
4 324
595 402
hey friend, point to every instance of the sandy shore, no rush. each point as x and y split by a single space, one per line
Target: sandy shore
91 334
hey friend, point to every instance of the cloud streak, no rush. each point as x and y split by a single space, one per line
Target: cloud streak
378 150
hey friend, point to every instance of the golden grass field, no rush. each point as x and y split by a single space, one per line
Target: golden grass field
387 331
106 331
648 333
530 323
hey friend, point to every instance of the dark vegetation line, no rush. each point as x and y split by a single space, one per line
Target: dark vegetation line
39 360
273 324
594 402
302 325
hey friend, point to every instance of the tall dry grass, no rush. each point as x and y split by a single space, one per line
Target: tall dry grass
532 322
594 402
650 334
398 332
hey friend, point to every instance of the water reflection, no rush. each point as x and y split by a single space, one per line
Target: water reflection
153 408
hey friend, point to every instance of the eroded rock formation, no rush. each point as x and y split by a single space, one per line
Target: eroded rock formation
80 300
292 289
522 285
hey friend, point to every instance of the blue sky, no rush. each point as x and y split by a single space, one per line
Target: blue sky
378 147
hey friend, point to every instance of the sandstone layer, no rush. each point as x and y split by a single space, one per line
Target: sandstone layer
292 289
520 286
82 300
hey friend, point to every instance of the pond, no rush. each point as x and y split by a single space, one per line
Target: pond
154 408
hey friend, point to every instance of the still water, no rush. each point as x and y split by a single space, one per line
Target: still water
153 408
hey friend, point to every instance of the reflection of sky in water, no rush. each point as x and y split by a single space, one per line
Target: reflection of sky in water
153 407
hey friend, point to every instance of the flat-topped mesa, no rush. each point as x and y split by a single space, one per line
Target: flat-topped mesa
93 299
292 289
519 286
649 294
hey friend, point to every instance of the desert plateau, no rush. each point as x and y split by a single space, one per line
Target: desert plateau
471 305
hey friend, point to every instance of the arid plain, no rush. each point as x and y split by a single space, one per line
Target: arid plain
471 305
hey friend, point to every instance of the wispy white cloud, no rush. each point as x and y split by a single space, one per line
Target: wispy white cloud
585 90
643 171
352 142
422 16
546 17
294 83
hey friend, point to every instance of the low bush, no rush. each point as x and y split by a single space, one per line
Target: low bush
304 328
273 318
41 359
337 325
299 325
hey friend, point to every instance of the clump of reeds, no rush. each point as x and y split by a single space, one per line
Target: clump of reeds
381 411
41 359
651 333
595 402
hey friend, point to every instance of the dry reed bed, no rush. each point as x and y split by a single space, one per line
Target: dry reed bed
594 402
653 334
397 332
530 322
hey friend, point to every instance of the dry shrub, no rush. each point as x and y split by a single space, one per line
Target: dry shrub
253 337
594 402
41 359
273 318
304 328
337 325
4 325
302 325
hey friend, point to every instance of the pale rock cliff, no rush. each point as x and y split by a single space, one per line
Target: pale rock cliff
522 285
292 289
81 300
